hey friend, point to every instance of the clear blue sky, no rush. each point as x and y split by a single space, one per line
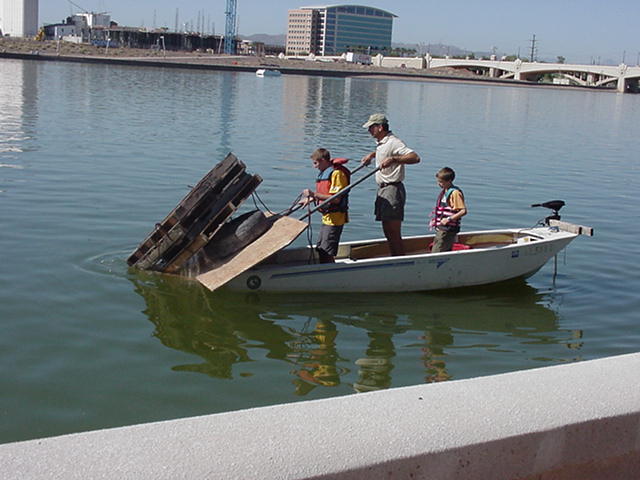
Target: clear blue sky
579 30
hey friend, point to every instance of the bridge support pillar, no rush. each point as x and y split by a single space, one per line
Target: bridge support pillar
622 85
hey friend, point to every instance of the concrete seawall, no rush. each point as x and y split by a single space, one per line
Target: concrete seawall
564 422
307 68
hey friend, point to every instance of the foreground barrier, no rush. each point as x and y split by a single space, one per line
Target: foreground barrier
564 422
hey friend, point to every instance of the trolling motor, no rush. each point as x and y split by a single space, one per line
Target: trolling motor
554 205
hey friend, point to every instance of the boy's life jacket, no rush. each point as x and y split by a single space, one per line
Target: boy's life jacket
442 210
323 185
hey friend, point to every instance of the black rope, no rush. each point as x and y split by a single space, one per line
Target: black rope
296 205
255 196
312 257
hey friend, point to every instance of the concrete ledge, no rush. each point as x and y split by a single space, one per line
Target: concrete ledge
565 422
316 69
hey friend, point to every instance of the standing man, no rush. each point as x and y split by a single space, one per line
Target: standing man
391 156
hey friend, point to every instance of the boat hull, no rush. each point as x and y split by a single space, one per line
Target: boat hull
416 272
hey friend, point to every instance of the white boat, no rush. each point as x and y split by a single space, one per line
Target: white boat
250 252
481 257
267 72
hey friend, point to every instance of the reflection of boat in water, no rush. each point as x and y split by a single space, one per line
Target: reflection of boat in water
366 343
267 72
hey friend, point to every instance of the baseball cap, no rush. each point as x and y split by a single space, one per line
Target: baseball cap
376 119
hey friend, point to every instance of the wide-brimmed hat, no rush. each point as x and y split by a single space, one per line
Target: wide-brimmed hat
376 119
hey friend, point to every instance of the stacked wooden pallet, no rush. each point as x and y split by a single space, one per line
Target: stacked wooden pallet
196 219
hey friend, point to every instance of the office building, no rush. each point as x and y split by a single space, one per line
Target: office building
335 29
19 18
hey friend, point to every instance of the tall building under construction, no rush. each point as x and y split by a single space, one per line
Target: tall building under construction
19 18
334 29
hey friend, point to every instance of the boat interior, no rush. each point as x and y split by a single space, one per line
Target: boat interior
354 251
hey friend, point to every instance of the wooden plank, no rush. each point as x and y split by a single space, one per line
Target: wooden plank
190 249
154 255
187 211
216 179
207 225
485 239
283 231
373 250
572 227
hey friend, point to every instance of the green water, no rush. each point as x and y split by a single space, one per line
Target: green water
92 156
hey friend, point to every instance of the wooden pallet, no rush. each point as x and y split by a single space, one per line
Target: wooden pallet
198 216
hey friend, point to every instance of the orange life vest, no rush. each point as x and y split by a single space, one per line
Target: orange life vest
323 186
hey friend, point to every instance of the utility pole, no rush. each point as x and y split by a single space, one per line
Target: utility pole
533 48
176 24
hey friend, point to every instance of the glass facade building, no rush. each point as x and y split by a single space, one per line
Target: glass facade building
336 29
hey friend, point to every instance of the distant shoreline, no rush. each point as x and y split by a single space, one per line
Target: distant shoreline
290 67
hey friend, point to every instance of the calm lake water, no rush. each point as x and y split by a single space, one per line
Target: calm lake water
92 156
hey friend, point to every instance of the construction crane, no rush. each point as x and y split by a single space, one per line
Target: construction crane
83 10
230 28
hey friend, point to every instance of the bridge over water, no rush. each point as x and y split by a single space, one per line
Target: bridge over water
624 77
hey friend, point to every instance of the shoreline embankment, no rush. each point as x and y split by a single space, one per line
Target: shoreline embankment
201 61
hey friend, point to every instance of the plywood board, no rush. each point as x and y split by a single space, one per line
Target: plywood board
572 228
283 231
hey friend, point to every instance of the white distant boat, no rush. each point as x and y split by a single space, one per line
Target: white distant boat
267 72
480 258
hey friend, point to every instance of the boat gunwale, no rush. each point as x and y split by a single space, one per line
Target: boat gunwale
341 262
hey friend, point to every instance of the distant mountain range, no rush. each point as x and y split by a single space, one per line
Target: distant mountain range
266 39
436 49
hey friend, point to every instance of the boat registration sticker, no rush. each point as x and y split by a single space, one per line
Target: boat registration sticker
537 250
515 254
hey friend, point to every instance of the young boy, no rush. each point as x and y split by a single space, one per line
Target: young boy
449 209
331 179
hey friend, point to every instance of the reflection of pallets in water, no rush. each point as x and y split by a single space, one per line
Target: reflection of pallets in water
196 219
